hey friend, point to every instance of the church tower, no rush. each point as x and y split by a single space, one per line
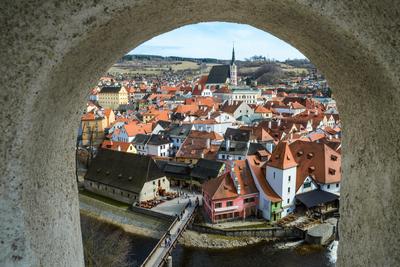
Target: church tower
233 69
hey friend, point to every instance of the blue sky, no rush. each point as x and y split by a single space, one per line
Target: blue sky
215 39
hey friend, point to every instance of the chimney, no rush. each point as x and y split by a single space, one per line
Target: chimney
119 148
202 155
336 136
227 144
279 122
269 124
208 143
330 137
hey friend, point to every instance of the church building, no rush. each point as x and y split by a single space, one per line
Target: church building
221 75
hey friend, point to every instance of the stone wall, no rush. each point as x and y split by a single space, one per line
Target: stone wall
273 232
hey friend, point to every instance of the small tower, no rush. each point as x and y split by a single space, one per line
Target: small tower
233 68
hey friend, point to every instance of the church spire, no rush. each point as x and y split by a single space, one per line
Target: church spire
233 54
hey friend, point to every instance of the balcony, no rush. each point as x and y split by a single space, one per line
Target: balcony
226 209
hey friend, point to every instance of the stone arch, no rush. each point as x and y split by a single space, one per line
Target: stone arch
53 51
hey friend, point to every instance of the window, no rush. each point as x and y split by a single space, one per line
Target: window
122 193
218 205
288 189
328 186
229 203
288 200
276 205
154 182
289 178
307 184
274 175
337 185
249 200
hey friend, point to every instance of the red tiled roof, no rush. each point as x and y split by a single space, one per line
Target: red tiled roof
257 166
113 145
223 186
317 160
282 158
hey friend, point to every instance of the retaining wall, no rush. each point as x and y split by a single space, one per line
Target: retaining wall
277 232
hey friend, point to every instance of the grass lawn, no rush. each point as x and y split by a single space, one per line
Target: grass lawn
104 199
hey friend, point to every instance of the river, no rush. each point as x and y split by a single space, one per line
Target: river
263 254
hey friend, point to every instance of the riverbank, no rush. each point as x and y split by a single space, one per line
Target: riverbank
147 226
128 221
192 239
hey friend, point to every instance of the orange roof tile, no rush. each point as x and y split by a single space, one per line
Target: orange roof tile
282 157
256 166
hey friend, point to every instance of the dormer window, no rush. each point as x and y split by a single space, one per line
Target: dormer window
310 155
332 171
311 168
333 157
300 153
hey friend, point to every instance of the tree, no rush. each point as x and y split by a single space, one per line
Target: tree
268 73
103 244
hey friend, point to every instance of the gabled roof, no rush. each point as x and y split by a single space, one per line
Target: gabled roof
110 89
163 124
282 158
205 135
219 74
238 134
113 145
157 140
223 186
123 170
205 169
231 107
235 148
315 198
133 129
197 148
176 130
257 167
317 160
141 139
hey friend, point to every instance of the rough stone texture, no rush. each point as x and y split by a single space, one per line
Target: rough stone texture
53 51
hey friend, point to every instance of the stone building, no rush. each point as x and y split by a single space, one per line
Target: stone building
125 177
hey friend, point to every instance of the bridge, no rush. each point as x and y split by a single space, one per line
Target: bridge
158 256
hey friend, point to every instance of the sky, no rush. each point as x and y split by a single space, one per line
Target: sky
215 40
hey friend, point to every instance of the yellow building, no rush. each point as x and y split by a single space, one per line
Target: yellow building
113 96
93 126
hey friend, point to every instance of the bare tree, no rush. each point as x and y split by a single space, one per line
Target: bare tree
103 244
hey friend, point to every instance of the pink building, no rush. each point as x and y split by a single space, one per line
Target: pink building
233 195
